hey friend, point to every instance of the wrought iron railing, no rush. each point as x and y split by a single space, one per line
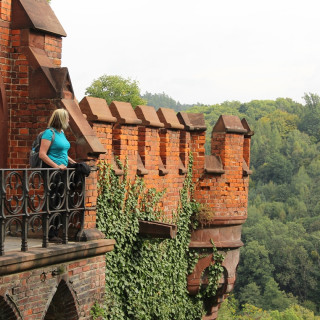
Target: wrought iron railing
38 203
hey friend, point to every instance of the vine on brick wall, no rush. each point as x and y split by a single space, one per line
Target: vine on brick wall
146 278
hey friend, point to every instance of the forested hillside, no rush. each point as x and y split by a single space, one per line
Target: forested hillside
280 262
162 100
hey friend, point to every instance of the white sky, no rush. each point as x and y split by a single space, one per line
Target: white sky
205 51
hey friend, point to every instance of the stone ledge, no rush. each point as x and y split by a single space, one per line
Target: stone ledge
17 261
222 220
156 229
192 121
229 124
218 244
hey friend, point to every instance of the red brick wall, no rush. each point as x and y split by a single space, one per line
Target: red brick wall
80 284
125 145
5 10
225 194
53 47
231 190
26 116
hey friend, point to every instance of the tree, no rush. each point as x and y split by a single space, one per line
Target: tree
116 88
310 121
255 266
273 298
251 293
160 100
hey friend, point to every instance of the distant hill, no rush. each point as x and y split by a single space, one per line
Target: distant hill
162 100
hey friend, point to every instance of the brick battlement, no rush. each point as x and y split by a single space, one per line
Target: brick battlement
156 145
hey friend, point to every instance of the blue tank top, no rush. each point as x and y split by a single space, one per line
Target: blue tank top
58 152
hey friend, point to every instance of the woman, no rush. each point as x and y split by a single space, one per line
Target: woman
55 155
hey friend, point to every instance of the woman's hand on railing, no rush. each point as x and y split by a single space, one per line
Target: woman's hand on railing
61 167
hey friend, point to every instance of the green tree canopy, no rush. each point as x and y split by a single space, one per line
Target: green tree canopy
160 100
116 88
310 122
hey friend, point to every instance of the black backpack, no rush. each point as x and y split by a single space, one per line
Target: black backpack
34 160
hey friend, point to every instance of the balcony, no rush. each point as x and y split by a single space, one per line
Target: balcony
36 203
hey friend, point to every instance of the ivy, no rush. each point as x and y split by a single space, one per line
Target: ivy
147 278
215 271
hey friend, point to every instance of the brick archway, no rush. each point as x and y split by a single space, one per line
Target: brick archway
7 312
3 126
63 305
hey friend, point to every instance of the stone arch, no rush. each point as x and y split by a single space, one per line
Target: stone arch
4 119
8 311
63 304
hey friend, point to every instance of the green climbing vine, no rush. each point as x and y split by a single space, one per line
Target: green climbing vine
146 278
215 271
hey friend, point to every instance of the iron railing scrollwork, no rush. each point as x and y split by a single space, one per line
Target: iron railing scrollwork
40 202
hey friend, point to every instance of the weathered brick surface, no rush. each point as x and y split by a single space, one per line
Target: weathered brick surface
225 195
79 283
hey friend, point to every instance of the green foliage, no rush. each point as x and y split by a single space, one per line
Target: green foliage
147 278
230 310
214 272
310 122
161 100
116 88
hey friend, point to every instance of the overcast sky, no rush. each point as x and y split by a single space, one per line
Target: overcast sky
205 51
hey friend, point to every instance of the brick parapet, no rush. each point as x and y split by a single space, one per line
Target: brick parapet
80 283
104 132
125 146
173 181
222 194
149 151
225 194
247 150
184 147
197 142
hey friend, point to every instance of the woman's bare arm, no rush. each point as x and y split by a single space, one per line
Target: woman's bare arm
71 160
